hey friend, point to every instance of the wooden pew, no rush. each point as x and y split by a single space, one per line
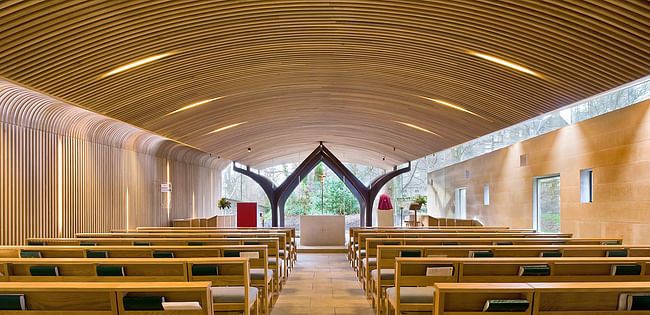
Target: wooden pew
354 231
105 298
272 243
261 277
411 273
575 298
373 242
290 232
231 272
469 298
361 237
369 261
386 255
563 298
284 252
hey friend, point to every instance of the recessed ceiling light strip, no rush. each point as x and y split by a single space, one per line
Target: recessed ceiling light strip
226 127
505 63
194 105
417 127
136 63
441 102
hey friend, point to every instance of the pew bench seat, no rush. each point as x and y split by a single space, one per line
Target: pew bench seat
258 274
420 295
386 274
233 294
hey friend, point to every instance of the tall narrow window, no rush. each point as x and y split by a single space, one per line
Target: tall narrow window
486 195
546 192
461 203
586 185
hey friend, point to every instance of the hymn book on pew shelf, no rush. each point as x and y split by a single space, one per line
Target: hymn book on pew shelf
506 306
52 271
143 303
111 271
440 271
12 302
535 270
633 301
410 253
181 306
205 270
480 254
30 254
163 254
96 254
551 254
617 253
251 255
625 270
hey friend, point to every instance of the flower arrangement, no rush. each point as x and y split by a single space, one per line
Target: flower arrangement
421 200
223 204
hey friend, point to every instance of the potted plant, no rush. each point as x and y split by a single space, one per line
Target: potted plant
223 204
418 203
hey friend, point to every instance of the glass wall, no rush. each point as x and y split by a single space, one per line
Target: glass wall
335 198
600 104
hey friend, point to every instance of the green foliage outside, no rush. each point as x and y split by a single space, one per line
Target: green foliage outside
307 196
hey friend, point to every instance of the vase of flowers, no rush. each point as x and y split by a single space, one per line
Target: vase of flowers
223 204
418 203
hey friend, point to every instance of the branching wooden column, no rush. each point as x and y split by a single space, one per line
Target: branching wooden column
278 195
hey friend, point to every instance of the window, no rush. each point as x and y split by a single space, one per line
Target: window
486 195
586 185
546 203
461 203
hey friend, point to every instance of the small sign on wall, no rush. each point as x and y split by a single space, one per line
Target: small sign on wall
165 187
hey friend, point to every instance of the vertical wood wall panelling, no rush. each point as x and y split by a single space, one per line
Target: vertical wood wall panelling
101 161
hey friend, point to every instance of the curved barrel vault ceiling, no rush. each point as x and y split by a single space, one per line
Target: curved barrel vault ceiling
344 72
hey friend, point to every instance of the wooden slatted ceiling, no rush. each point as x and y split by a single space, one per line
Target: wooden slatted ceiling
344 72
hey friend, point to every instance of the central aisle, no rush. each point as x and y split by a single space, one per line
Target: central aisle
322 284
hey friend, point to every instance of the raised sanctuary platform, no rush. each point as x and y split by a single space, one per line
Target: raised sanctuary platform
322 230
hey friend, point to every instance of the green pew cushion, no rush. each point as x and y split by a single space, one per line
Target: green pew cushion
362 253
412 294
386 274
258 274
272 261
232 294
281 253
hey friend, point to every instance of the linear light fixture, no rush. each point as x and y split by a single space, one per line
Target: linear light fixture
505 63
417 127
441 102
127 209
136 63
226 127
194 105
59 188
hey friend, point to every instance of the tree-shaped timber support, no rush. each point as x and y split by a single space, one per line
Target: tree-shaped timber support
278 195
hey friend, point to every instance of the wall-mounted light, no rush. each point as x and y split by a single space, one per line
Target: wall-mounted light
417 127
505 63
249 150
136 63
226 127
194 105
383 158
